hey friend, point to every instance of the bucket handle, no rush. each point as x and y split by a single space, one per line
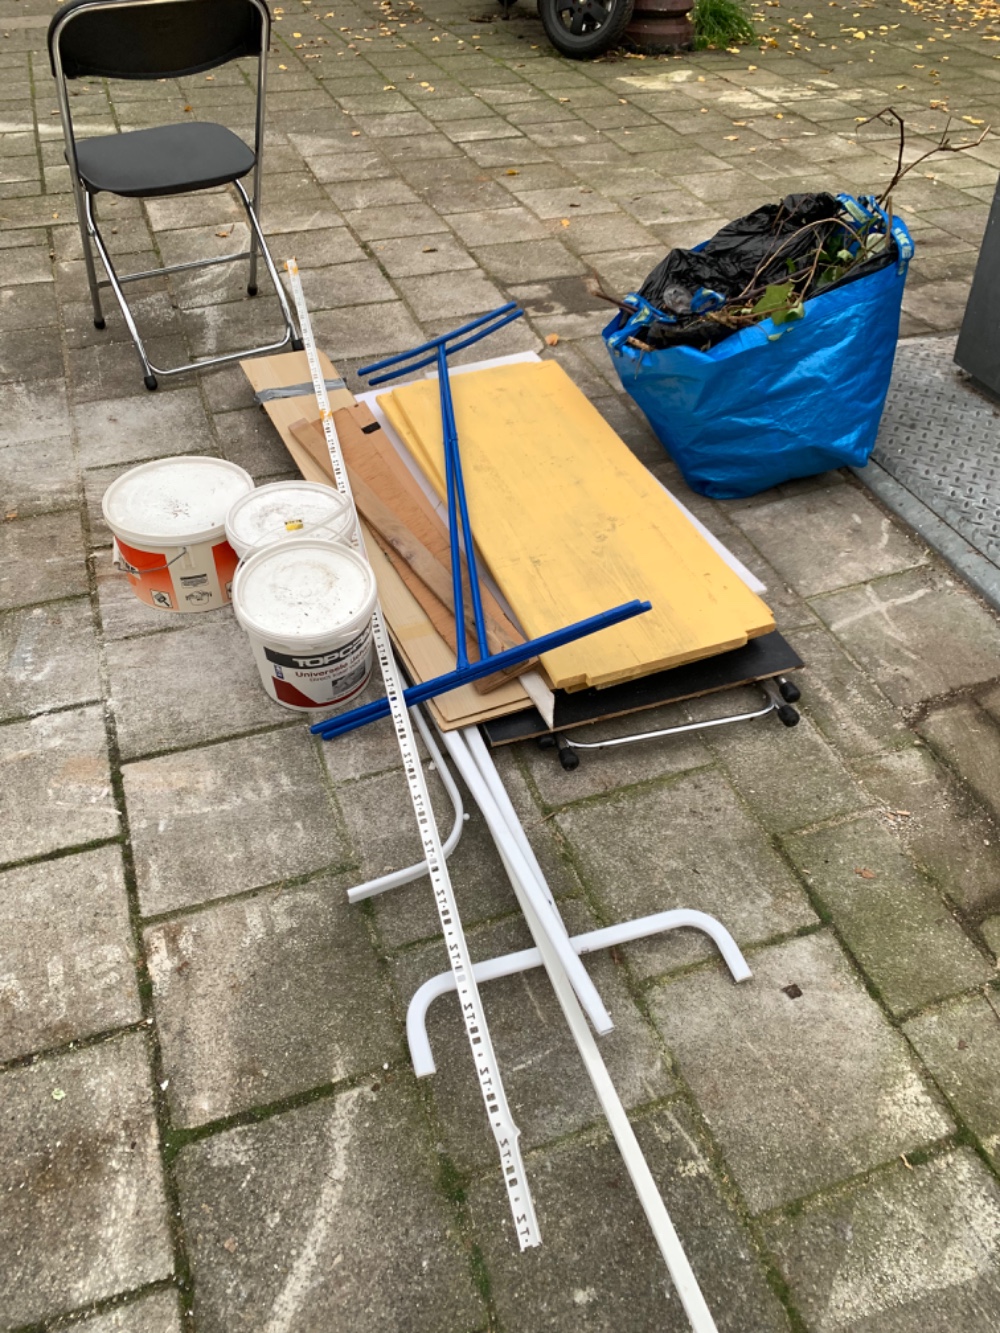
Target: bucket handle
116 560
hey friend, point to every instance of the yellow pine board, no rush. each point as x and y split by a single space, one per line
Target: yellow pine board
571 523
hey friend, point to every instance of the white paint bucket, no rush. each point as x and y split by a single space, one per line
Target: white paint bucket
307 606
288 509
169 522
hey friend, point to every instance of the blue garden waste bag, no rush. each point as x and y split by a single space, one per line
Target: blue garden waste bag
773 402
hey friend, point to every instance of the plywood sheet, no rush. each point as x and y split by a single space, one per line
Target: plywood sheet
571 523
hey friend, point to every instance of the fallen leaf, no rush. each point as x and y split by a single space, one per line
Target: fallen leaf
730 138
355 134
57 1094
430 250
189 108
512 171
282 66
564 222
864 872
11 513
230 1244
552 339
972 120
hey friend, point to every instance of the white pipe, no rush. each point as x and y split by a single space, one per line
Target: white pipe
589 942
527 885
372 887
668 731
683 1278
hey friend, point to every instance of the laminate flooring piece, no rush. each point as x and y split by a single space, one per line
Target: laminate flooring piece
571 524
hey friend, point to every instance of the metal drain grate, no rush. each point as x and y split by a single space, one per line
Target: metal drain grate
940 439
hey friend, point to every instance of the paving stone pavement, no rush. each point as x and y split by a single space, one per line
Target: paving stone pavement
209 1119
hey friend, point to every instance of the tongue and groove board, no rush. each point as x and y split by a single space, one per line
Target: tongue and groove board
571 523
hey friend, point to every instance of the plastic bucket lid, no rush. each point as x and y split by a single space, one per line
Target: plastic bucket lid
260 518
304 593
174 501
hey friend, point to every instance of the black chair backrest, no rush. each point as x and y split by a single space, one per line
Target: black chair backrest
158 39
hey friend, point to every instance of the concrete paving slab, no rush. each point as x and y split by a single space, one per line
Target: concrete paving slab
918 634
846 706
948 833
959 1042
41 558
327 1216
817 1086
547 1087
123 430
598 1258
968 739
895 924
85 1215
171 690
906 1249
48 658
829 539
259 1000
688 843
68 964
789 780
230 817
39 476
55 784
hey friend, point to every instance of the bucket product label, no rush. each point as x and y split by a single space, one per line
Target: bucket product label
316 680
191 578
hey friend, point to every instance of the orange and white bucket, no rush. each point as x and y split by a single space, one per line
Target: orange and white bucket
307 608
168 518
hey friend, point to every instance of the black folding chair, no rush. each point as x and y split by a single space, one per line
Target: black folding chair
162 39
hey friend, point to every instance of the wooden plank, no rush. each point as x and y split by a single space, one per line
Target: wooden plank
571 523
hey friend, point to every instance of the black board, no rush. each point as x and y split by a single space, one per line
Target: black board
768 655
978 348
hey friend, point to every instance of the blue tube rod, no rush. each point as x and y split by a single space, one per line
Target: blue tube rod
461 645
436 342
456 482
522 652
458 347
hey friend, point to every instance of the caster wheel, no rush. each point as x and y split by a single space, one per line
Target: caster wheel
99 324
298 345
790 692
150 382
788 715
252 290
568 757
547 742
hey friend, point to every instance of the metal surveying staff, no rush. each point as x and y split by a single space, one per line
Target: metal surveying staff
505 1131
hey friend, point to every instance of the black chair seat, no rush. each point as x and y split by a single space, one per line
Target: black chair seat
170 159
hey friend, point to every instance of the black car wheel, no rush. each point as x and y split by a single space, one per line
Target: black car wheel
581 29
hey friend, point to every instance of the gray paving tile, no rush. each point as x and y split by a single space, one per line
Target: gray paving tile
960 1044
230 817
918 634
827 1087
449 295
829 539
406 256
497 225
968 739
689 844
848 708
56 784
258 1000
171 690
68 963
351 1184
122 430
85 1215
892 920
38 476
598 1258
904 1250
41 558
48 658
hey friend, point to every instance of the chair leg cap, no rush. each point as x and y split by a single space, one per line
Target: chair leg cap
298 345
252 289
150 382
99 324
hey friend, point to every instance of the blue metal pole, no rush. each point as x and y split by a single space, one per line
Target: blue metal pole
456 483
435 342
522 652
461 646
457 347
